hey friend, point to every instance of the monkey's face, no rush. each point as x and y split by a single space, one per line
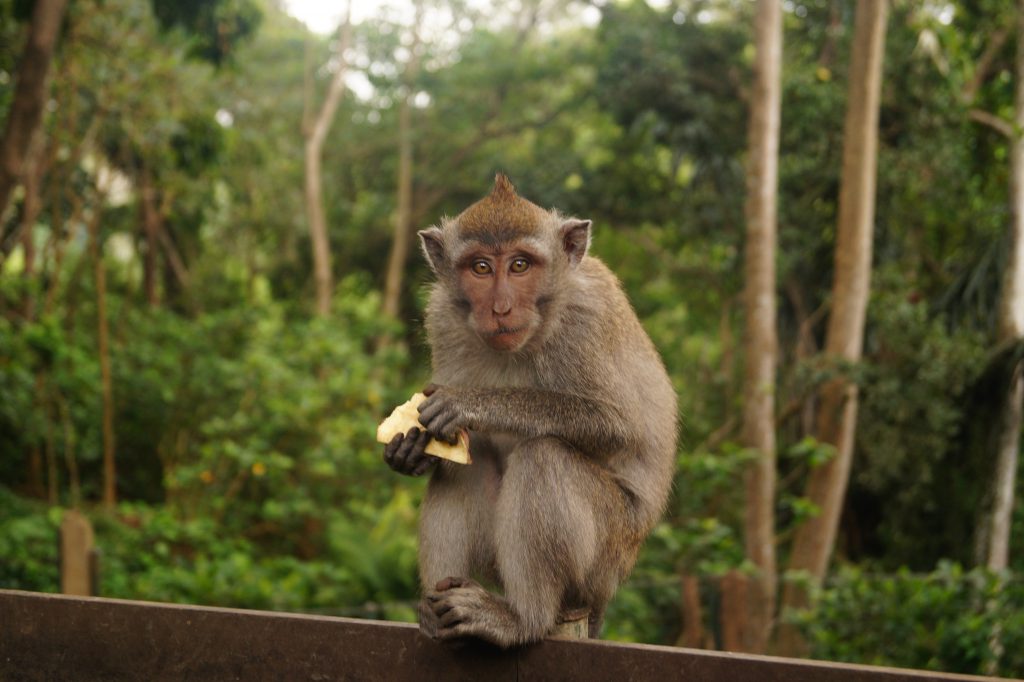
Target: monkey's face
504 286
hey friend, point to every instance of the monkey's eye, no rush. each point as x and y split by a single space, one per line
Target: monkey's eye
481 267
519 265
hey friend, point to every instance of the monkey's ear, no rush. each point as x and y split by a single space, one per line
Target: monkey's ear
432 240
575 239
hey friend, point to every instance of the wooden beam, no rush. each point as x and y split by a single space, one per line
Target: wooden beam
48 636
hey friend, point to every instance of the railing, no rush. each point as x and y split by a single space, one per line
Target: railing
57 637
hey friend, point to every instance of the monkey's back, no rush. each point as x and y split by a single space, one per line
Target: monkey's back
633 371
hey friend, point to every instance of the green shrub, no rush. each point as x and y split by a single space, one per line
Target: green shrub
945 620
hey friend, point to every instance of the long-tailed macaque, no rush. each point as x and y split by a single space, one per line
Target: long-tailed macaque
571 418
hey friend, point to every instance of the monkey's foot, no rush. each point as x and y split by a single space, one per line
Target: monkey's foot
461 607
428 621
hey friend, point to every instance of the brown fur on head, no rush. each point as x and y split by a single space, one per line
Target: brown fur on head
502 215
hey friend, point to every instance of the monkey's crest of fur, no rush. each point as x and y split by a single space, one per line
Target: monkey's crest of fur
504 211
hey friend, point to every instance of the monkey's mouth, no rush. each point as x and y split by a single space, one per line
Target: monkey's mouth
505 338
506 331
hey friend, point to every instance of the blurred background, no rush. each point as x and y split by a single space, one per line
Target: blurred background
211 292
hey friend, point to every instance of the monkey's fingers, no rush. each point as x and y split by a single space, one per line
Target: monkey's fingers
428 620
405 452
440 419
440 607
411 452
430 409
394 453
407 448
391 449
452 582
425 464
451 618
449 433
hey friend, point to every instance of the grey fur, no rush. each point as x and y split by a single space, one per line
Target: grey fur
573 439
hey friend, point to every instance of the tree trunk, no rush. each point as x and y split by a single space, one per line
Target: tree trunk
52 482
26 110
315 132
28 249
103 343
403 229
761 337
151 230
1011 329
693 634
36 488
70 461
734 608
400 241
814 541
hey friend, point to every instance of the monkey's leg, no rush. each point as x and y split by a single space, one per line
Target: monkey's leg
558 527
456 527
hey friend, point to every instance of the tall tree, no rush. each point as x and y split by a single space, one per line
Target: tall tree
315 132
26 110
103 348
403 217
1011 330
814 540
150 226
761 337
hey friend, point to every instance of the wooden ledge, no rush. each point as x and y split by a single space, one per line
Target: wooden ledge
56 637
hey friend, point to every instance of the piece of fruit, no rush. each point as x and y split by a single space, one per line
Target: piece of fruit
406 416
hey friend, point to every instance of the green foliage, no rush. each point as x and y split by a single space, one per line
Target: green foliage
914 406
248 471
28 545
214 27
364 569
263 427
646 607
944 620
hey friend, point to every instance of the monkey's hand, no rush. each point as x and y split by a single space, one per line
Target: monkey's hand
405 453
446 412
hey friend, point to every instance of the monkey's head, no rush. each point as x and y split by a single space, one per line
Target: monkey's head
504 260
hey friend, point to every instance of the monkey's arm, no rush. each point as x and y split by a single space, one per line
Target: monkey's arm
592 426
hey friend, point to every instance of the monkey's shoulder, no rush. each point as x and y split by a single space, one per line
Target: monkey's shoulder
601 308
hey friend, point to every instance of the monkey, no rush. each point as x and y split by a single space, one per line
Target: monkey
572 421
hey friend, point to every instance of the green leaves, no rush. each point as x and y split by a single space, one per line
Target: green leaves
263 421
943 620
213 28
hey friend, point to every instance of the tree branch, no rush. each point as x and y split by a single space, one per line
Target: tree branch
984 65
997 123
26 110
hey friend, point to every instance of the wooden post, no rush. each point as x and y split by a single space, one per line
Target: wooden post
734 611
77 556
693 634
574 624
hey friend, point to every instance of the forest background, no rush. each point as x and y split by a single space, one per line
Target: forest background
210 294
